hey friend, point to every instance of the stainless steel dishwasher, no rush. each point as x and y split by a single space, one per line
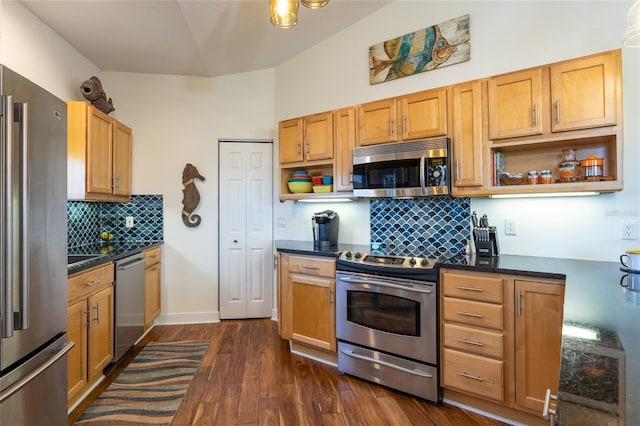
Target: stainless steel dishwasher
129 309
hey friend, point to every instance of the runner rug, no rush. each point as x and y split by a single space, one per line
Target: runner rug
149 390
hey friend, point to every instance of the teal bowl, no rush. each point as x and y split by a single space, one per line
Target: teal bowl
299 180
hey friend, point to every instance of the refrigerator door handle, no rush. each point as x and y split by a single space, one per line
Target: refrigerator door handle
7 220
23 318
33 374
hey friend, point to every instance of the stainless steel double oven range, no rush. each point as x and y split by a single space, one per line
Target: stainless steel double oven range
387 321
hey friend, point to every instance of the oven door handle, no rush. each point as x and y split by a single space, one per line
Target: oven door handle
385 284
386 364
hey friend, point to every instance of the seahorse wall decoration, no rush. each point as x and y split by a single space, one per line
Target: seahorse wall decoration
190 196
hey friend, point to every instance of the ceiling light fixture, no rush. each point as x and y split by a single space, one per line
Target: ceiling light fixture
631 37
314 4
284 13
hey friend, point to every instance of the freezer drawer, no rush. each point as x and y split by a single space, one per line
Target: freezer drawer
35 393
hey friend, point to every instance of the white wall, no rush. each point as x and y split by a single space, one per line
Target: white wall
178 120
505 36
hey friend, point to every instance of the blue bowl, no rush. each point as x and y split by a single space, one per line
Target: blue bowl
327 180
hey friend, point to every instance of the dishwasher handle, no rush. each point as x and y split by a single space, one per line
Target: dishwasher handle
131 264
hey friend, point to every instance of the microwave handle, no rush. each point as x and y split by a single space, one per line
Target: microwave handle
423 186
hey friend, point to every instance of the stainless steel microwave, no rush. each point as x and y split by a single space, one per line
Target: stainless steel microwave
402 169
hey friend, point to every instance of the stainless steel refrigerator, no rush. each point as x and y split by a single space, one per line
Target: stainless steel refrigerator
33 251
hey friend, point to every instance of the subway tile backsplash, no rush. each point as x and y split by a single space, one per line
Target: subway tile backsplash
85 220
425 226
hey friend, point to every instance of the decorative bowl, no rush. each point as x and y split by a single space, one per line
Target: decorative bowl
300 180
299 187
322 188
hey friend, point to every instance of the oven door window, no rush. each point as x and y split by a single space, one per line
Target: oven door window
384 312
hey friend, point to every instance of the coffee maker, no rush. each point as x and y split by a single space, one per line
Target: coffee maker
325 229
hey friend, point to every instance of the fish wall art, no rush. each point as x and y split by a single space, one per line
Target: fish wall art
446 43
190 196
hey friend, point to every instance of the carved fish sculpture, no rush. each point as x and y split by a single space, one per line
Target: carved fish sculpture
92 91
190 195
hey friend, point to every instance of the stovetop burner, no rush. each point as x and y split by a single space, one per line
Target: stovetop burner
421 268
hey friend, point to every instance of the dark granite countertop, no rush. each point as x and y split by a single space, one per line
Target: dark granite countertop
306 247
600 371
107 253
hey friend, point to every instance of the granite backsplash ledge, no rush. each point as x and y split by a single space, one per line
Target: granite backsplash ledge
85 221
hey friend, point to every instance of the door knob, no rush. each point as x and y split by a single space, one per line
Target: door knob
235 241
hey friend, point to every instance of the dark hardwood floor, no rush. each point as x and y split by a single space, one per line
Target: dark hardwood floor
249 377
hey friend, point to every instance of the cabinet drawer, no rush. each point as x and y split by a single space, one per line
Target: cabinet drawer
473 374
322 267
153 256
474 313
480 288
86 282
472 340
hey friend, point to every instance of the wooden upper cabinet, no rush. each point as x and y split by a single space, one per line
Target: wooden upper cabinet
99 152
424 114
467 135
291 137
318 136
584 92
415 116
516 104
345 138
98 155
121 159
306 138
377 122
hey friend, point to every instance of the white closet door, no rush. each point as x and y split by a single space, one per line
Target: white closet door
245 229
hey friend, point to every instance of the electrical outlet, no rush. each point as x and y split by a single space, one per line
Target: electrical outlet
282 222
510 227
129 221
629 230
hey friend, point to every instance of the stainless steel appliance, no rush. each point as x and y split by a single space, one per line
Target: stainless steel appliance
387 321
325 229
33 251
402 169
129 309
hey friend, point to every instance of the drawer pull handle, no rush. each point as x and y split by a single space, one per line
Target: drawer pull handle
470 288
312 268
469 314
92 283
470 342
469 376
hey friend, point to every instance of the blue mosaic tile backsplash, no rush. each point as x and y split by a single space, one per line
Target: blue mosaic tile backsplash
426 226
85 220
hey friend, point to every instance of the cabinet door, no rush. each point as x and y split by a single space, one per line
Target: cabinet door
424 114
467 135
377 122
291 137
99 152
538 340
318 137
151 294
515 104
77 317
121 159
345 125
584 92
314 314
100 331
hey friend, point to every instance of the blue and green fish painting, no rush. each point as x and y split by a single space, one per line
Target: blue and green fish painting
440 45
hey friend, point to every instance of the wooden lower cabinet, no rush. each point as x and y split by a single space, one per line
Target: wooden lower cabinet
152 286
306 302
90 319
501 337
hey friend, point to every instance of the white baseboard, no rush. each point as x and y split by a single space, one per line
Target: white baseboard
188 318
